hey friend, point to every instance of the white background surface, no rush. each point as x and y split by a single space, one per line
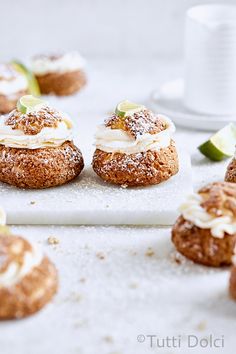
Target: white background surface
118 28
127 293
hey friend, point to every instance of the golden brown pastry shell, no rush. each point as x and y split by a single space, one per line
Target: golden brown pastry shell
232 282
40 168
62 84
230 175
141 169
200 246
32 293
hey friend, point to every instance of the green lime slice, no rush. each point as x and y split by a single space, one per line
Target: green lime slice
29 103
32 81
5 230
221 145
126 108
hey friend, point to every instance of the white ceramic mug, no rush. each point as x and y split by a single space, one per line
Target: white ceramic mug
210 59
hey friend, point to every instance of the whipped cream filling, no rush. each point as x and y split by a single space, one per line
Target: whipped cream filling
14 85
117 140
48 137
192 211
72 61
15 271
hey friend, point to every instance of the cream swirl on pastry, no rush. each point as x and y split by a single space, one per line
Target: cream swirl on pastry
15 271
11 81
218 225
42 65
47 137
117 140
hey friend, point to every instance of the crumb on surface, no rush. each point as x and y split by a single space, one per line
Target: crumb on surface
52 240
201 326
32 202
133 253
149 252
108 339
178 259
76 297
133 286
100 255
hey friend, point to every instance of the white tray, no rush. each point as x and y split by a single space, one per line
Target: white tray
88 200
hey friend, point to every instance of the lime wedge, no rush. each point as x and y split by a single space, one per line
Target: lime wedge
32 81
5 230
126 108
221 145
29 103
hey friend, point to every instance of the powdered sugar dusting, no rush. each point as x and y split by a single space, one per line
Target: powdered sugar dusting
138 123
33 122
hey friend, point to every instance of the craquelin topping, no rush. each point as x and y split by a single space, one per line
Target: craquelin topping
32 123
143 122
218 197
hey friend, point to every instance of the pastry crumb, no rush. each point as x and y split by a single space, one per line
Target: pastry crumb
76 297
177 258
108 339
124 186
149 252
133 253
100 255
133 285
32 203
201 326
52 240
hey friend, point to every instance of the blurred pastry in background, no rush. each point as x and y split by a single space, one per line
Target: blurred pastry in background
28 279
36 146
232 280
230 175
206 230
59 74
13 85
134 147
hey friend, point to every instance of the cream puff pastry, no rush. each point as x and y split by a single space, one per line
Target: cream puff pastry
59 74
232 280
28 279
37 149
135 149
206 230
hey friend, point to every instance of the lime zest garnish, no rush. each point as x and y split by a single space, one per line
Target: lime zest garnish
29 103
126 108
221 145
33 85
